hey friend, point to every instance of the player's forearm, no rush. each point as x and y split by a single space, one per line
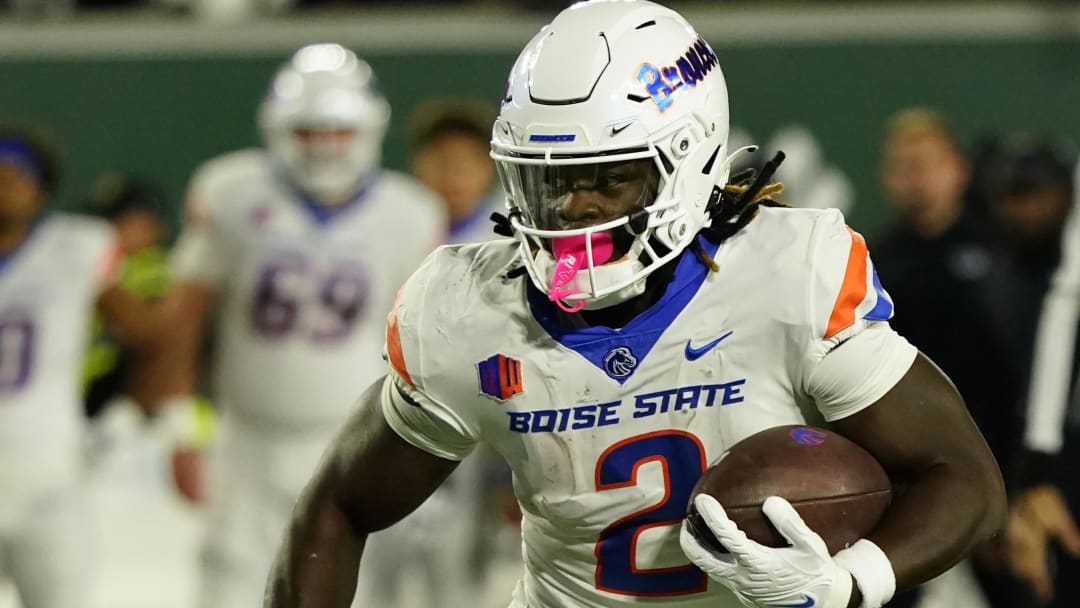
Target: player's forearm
137 323
317 565
944 512
170 368
948 495
167 371
162 374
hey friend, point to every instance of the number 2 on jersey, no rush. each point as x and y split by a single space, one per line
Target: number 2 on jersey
682 459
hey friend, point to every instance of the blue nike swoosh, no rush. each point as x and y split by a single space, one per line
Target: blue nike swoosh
693 354
807 602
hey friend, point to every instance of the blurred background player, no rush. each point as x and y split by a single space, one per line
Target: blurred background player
118 378
1044 544
298 252
134 497
1026 185
451 155
55 270
1028 191
134 209
936 260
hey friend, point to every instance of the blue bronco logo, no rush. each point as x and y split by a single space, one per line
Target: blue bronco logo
619 362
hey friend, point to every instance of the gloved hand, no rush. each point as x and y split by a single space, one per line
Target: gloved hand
802 575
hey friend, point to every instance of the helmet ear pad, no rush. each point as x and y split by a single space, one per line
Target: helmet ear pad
703 166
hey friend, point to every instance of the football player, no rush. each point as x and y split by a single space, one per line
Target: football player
298 250
1043 537
644 319
55 271
450 141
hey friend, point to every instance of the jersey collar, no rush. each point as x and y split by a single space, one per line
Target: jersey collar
619 352
324 214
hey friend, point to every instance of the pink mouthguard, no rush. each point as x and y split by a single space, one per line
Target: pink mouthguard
570 253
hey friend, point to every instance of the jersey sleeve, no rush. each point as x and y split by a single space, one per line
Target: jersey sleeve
852 356
201 253
412 396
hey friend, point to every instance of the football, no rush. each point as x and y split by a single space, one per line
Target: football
837 487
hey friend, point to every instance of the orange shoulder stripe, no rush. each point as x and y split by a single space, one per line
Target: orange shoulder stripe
852 290
393 347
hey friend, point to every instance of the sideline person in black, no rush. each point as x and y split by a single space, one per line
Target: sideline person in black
1044 544
936 261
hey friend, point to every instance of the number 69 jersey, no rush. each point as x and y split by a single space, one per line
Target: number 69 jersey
302 294
608 430
48 289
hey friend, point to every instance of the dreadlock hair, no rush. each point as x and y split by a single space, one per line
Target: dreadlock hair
734 205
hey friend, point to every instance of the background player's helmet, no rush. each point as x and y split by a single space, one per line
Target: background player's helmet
324 121
609 81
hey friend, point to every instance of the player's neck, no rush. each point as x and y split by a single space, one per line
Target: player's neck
11 236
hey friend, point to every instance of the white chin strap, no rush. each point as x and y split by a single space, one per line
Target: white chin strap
627 293
619 272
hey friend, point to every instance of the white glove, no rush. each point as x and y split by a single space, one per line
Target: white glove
800 576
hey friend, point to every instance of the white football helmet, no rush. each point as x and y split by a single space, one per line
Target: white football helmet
324 121
610 81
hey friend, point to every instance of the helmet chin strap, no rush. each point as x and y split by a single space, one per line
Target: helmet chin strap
571 272
627 293
572 255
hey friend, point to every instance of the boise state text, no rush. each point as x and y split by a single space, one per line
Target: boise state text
644 405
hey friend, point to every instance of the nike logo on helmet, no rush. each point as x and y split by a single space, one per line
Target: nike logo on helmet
619 129
693 354
807 602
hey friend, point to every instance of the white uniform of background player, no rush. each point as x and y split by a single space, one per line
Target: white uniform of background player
304 278
607 430
48 289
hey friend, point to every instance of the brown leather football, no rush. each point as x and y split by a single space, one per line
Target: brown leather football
837 487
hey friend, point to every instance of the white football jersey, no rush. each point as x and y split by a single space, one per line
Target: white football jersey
608 430
48 289
302 295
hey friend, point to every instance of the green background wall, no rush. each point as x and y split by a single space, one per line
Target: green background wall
160 117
